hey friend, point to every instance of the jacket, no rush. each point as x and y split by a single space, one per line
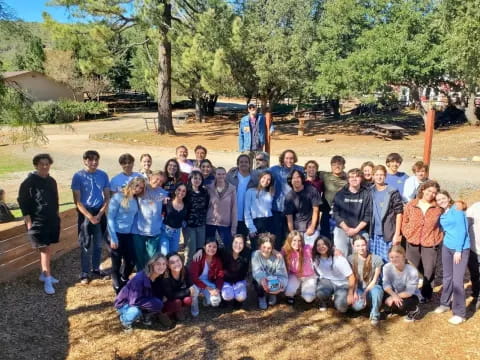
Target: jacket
352 208
419 229
245 133
138 292
232 178
176 289
389 215
215 272
222 210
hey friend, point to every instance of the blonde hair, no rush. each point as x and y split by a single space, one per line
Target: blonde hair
152 261
129 190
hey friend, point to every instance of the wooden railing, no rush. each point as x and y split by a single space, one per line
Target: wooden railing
16 254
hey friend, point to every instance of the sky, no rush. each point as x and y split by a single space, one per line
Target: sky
31 10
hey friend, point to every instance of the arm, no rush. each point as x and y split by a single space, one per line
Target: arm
25 202
258 272
81 208
233 212
315 216
106 197
374 281
194 270
240 137
290 223
111 219
351 289
249 201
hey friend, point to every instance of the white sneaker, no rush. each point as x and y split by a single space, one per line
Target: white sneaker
441 309
48 287
322 307
456 320
42 278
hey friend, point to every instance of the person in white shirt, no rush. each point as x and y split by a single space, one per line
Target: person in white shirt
186 166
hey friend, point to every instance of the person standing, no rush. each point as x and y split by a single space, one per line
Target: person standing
186 165
91 194
420 170
118 182
395 178
38 200
473 217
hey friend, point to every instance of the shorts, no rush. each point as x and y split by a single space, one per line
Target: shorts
42 235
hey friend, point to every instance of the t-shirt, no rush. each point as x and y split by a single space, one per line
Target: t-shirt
332 184
91 186
377 262
173 217
241 190
397 181
118 182
379 205
473 217
186 167
300 205
337 274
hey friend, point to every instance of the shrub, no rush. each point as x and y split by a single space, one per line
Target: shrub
63 111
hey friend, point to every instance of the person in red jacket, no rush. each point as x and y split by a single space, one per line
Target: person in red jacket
207 274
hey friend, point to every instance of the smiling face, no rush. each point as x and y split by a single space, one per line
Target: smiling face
288 159
157 180
337 168
159 266
196 181
146 162
421 175
91 164
393 166
443 201
360 247
175 264
297 243
200 154
379 177
397 259
297 181
429 194
354 180
367 173
182 153
127 167
211 248
266 249
266 180
181 192
322 248
206 169
43 167
244 164
311 170
238 245
172 168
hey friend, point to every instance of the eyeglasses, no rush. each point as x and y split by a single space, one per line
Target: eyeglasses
260 159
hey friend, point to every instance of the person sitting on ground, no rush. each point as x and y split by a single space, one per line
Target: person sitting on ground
395 178
207 274
122 211
146 161
367 171
420 171
335 276
186 165
367 268
5 213
38 200
208 172
269 272
200 155
400 284
179 289
298 259
137 297
118 182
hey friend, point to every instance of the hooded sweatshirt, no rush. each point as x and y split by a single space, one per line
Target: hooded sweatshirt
352 208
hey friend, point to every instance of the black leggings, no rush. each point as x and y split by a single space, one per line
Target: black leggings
409 304
425 260
126 252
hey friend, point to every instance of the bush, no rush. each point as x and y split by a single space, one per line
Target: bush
64 111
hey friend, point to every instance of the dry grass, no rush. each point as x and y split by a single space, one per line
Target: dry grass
79 322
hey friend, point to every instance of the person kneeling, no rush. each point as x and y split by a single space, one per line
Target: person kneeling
137 298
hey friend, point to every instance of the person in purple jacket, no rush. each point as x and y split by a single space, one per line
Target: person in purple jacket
137 298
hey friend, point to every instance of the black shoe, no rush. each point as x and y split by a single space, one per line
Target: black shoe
237 305
412 315
290 300
101 274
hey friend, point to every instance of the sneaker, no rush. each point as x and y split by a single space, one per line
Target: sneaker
411 315
262 303
272 300
194 308
127 328
456 320
42 278
101 274
374 322
322 307
290 300
237 304
48 287
441 309
147 319
84 278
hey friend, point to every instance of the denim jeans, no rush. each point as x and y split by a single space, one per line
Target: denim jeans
237 291
225 233
194 239
129 314
325 290
374 297
170 240
145 248
92 256
213 300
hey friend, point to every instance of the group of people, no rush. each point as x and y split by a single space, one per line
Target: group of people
365 237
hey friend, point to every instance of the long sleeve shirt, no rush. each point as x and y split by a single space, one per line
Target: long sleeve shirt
138 292
455 227
258 204
280 174
421 229
400 281
120 219
352 208
293 262
149 218
410 188
222 209
273 266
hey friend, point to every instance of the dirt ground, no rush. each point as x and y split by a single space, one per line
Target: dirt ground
79 322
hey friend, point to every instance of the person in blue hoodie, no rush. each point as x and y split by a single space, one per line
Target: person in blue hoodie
122 210
352 211
455 253
387 213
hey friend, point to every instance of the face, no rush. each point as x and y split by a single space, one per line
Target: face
296 181
429 194
159 266
396 258
379 177
43 167
211 248
157 181
311 170
289 160
206 169
138 189
266 180
394 165
182 153
200 154
181 192
127 167
175 264
238 245
252 111
337 168
146 162
91 164
354 180
172 168
367 172
260 162
196 181
421 174
244 164
443 201
266 249
297 243
360 247
322 248
220 175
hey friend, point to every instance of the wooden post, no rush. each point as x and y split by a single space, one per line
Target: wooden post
427 147
268 118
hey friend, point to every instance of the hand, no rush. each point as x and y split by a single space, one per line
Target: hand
397 239
28 224
350 297
337 252
113 245
457 257
198 255
93 219
310 231
352 232
277 254
264 284
397 300
355 297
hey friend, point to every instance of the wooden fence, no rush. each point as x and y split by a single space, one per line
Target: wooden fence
16 254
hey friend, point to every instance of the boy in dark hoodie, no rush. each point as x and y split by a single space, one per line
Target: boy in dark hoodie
352 211
38 200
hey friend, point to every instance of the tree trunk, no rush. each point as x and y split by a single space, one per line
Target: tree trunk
470 110
335 103
198 109
210 105
165 123
415 94
267 111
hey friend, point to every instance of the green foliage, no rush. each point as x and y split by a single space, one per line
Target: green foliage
33 57
65 111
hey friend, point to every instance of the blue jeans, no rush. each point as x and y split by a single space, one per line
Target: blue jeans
325 290
145 248
225 233
129 314
374 297
170 239
91 257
